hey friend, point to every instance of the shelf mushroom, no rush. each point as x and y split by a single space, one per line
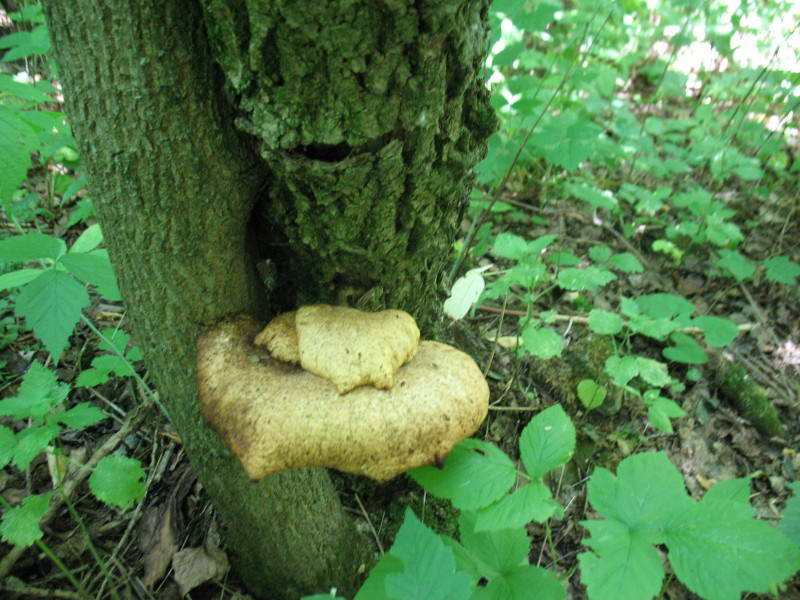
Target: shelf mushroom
336 387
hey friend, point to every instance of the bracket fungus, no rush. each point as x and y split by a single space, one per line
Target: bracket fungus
367 396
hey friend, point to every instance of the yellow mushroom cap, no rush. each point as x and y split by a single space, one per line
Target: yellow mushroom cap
274 415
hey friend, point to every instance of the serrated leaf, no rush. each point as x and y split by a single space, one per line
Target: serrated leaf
18 278
429 566
20 525
8 444
509 245
591 394
118 480
627 263
600 253
685 350
547 442
782 270
39 392
531 502
653 372
717 331
475 474
81 416
604 322
374 587
493 552
51 306
518 583
665 306
542 342
590 278
31 443
30 246
567 140
735 264
95 269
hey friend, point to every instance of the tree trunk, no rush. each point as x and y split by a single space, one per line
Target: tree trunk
335 146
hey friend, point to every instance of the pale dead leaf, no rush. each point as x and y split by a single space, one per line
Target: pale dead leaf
194 566
157 542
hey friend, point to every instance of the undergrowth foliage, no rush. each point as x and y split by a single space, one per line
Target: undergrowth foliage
598 110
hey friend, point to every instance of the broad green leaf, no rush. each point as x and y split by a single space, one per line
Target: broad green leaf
374 587
475 474
520 582
20 525
653 371
22 90
625 566
17 141
429 571
102 367
685 350
493 552
782 270
590 278
736 264
8 443
466 291
31 442
81 416
604 322
118 480
39 392
591 394
790 521
595 198
542 342
563 259
643 496
658 329
661 411
600 253
547 442
95 269
18 278
508 245
718 551
621 369
626 262
531 502
717 332
628 307
665 306
91 237
51 306
567 140
30 246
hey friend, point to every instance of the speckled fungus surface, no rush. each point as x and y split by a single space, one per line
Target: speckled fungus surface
275 414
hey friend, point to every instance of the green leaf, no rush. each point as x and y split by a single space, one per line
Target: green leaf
118 480
518 583
626 566
465 292
600 253
30 246
20 525
604 322
627 263
51 305
475 474
39 392
95 269
653 371
621 369
567 140
17 141
531 502
718 551
22 90
685 350
374 587
91 237
590 278
591 394
18 278
508 245
547 442
665 306
429 566
81 416
782 270
662 411
790 521
493 552
31 442
542 342
717 332
736 264
8 444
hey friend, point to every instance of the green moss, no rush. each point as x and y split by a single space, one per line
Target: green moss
749 398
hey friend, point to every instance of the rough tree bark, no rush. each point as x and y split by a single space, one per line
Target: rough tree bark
331 141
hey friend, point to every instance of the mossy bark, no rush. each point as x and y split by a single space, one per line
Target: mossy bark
336 141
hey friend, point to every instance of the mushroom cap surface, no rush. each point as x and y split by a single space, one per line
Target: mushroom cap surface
347 346
274 415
